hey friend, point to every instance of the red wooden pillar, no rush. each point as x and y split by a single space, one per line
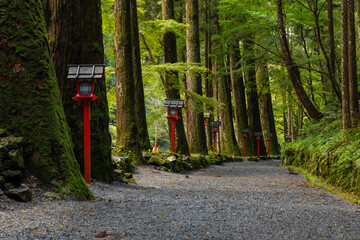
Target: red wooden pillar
172 134
245 145
215 142
87 150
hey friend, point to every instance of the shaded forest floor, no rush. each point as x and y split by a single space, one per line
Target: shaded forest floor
238 200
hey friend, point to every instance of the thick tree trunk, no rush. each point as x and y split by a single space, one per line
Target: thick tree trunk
252 96
292 69
127 133
344 67
228 140
353 83
30 103
139 88
196 130
172 83
81 43
266 108
238 89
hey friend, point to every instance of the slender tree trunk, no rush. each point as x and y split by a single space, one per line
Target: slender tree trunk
292 69
81 43
266 108
332 80
252 97
172 83
344 67
353 83
30 103
127 140
207 61
238 89
196 130
139 88
331 36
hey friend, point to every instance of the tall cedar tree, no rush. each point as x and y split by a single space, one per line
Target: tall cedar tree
353 82
252 96
344 67
292 68
238 88
196 130
171 82
75 36
127 140
266 108
139 87
222 93
30 103
207 62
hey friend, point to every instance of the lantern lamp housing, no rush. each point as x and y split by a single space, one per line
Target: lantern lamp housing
86 77
268 136
258 135
173 106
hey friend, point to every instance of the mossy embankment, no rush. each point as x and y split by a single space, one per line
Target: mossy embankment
327 155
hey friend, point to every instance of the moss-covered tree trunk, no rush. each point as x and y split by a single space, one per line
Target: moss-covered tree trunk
228 140
252 96
139 87
266 108
172 83
127 140
75 35
238 89
195 128
30 103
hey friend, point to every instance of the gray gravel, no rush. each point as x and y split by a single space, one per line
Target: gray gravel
247 200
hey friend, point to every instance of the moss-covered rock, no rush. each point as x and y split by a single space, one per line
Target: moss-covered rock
156 160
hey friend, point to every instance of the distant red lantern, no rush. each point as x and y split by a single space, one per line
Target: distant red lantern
258 139
86 77
173 106
244 133
215 129
268 139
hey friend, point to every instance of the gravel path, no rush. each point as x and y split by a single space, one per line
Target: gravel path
247 200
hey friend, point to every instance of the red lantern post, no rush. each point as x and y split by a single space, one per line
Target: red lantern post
86 77
173 106
215 129
244 133
258 138
268 139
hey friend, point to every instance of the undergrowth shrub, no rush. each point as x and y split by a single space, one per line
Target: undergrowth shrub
325 150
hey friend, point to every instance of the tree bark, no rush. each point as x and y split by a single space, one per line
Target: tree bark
207 61
292 69
228 140
353 83
75 36
127 140
139 88
252 97
172 83
196 130
30 103
238 89
266 108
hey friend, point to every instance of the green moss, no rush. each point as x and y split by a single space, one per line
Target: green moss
30 103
